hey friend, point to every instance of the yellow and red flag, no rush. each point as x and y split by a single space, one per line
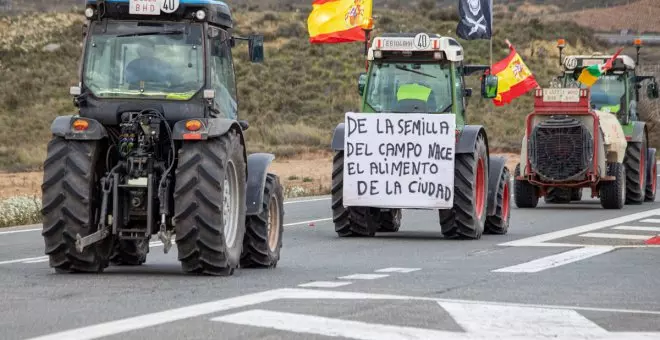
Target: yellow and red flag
514 78
339 21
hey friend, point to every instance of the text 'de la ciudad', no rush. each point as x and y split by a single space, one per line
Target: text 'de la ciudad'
397 160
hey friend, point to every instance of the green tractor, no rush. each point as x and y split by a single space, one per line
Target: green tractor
156 147
411 73
615 94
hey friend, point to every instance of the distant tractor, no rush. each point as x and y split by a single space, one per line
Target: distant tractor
433 66
156 147
588 138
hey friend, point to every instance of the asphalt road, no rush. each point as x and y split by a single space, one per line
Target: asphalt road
563 272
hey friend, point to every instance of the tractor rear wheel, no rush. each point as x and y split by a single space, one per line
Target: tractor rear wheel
263 232
576 194
209 205
468 216
349 221
558 196
71 194
499 223
635 163
525 194
613 193
389 221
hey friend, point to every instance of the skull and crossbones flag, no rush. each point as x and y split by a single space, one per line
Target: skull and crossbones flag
476 19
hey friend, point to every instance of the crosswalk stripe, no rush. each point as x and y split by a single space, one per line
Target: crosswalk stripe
325 284
363 276
397 270
636 228
556 260
651 220
616 236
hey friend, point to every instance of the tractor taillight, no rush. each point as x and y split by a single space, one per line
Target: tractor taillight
80 125
193 125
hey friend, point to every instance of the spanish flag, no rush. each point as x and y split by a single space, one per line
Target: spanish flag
339 21
514 78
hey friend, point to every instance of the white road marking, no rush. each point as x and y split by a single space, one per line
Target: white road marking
19 231
325 284
363 277
651 220
617 236
171 315
556 260
307 222
309 324
24 260
636 228
534 240
37 260
307 200
397 270
531 323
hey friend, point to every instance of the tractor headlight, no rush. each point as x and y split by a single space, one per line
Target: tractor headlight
200 15
378 54
89 12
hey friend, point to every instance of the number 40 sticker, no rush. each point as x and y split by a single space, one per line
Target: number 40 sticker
169 6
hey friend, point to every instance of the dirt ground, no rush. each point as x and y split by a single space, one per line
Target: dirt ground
309 171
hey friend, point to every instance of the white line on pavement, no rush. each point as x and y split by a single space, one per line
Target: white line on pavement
397 270
363 276
167 316
25 259
307 222
556 260
325 284
617 236
651 220
18 231
636 228
534 240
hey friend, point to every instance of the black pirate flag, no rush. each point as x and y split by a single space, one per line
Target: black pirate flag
476 19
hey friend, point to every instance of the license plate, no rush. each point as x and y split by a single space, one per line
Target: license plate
561 95
144 7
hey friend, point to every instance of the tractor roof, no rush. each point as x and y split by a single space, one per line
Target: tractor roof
215 11
572 62
410 44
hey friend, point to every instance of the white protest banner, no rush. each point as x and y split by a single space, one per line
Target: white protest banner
399 160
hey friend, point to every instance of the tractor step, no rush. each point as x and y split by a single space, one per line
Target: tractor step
84 242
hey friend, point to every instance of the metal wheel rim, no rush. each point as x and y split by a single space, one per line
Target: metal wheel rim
273 223
230 205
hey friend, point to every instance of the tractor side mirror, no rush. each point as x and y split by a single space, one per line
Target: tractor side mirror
489 86
362 81
652 90
256 48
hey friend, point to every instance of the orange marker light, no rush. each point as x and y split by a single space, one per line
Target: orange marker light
80 124
561 43
193 125
637 42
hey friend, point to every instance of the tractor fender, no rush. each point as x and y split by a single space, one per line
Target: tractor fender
468 137
650 156
62 127
496 166
639 129
338 138
257 168
211 127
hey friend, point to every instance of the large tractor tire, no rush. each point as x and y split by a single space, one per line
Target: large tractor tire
71 194
349 221
130 252
389 221
468 216
613 193
210 205
558 196
525 194
263 232
652 178
499 223
635 163
576 194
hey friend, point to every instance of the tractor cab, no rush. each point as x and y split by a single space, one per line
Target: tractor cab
616 91
412 73
174 55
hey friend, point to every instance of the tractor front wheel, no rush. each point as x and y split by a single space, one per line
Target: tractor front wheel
468 216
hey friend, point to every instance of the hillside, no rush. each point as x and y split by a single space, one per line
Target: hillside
639 16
